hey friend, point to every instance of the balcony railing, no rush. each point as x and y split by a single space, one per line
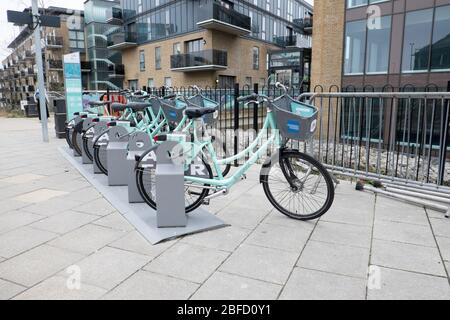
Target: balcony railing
305 24
115 16
201 60
122 40
215 16
54 42
55 64
287 41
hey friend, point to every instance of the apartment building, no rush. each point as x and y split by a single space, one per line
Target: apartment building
214 43
19 74
381 43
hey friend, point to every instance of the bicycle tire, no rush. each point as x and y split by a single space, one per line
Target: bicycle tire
100 155
286 165
68 130
86 147
75 145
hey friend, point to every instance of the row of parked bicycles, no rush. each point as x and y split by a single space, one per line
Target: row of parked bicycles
295 183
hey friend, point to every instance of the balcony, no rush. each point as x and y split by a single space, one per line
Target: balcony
206 60
117 71
288 41
305 25
54 42
115 16
122 40
26 56
217 17
55 64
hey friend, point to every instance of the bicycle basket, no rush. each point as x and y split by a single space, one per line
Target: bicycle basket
294 119
203 102
173 111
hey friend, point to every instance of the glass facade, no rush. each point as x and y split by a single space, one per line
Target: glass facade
101 58
158 19
424 45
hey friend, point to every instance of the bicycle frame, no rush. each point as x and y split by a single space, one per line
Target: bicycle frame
220 181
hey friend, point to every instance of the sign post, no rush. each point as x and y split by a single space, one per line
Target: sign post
73 84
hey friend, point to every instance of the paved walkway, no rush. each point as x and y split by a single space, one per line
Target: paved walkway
55 228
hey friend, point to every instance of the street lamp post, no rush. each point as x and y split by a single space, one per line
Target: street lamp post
40 69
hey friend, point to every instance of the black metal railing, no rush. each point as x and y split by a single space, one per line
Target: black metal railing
54 41
305 24
216 11
285 41
55 64
121 37
203 58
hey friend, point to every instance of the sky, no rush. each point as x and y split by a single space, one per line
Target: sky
8 32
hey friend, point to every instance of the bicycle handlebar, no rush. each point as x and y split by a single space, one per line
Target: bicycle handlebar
253 96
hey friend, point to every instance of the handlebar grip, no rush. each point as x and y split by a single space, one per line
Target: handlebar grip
253 96
170 96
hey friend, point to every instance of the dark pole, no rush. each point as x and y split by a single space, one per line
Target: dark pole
445 137
255 109
236 120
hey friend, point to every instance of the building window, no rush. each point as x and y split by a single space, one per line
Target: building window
194 45
151 83
158 58
177 48
76 39
416 42
255 58
359 3
355 47
378 42
440 50
142 60
168 82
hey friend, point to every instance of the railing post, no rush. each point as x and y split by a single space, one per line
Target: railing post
445 140
255 109
236 121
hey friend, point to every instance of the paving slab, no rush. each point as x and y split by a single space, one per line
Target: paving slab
134 242
64 222
40 195
266 264
98 207
23 178
23 239
109 267
243 218
403 285
280 237
87 239
52 207
395 211
14 219
225 239
223 286
9 289
345 234
444 247
36 265
407 257
335 258
145 285
403 232
9 205
441 227
317 285
188 262
56 288
114 221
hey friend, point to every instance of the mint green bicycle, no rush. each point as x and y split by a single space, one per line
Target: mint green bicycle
296 184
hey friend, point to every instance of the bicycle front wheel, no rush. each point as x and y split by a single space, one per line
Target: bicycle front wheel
298 186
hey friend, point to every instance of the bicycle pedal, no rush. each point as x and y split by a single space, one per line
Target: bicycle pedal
206 202
244 177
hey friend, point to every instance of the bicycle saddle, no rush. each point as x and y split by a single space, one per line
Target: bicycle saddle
118 107
139 106
195 113
98 103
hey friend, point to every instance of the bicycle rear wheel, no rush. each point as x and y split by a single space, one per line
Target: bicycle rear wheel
75 144
88 144
69 128
298 186
100 145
